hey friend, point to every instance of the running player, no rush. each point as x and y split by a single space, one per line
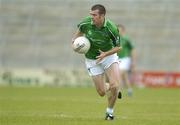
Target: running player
126 58
102 57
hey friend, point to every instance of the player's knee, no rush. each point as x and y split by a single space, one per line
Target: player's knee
101 92
114 87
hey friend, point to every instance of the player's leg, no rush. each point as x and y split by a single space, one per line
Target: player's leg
120 86
99 84
127 82
96 71
114 80
103 88
124 66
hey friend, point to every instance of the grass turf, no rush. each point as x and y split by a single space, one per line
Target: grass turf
82 106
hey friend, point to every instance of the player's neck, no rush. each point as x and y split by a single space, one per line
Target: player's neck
100 24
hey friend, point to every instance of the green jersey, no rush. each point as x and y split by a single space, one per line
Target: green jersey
127 47
104 38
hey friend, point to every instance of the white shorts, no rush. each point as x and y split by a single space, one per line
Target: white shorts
124 63
97 69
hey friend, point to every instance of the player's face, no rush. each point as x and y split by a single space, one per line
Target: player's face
97 18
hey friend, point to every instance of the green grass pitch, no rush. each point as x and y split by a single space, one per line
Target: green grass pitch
82 106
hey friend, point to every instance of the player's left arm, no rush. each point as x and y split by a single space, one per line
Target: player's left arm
107 53
116 43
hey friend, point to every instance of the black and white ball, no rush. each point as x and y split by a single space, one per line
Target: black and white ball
81 45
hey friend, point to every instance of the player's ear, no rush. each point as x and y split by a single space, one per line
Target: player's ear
103 15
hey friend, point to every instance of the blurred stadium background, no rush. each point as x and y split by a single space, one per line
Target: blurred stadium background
35 38
35 50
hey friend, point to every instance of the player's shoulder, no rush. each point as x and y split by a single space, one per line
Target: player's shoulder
86 20
111 25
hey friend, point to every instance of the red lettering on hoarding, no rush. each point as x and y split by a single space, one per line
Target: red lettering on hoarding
158 79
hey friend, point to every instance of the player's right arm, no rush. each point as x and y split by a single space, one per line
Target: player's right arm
77 34
81 28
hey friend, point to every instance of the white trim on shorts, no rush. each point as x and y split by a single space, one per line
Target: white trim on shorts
97 69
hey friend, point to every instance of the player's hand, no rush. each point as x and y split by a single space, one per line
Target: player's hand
101 56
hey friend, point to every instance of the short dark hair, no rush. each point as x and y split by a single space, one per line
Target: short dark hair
101 8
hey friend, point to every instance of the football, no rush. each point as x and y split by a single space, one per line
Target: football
81 45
